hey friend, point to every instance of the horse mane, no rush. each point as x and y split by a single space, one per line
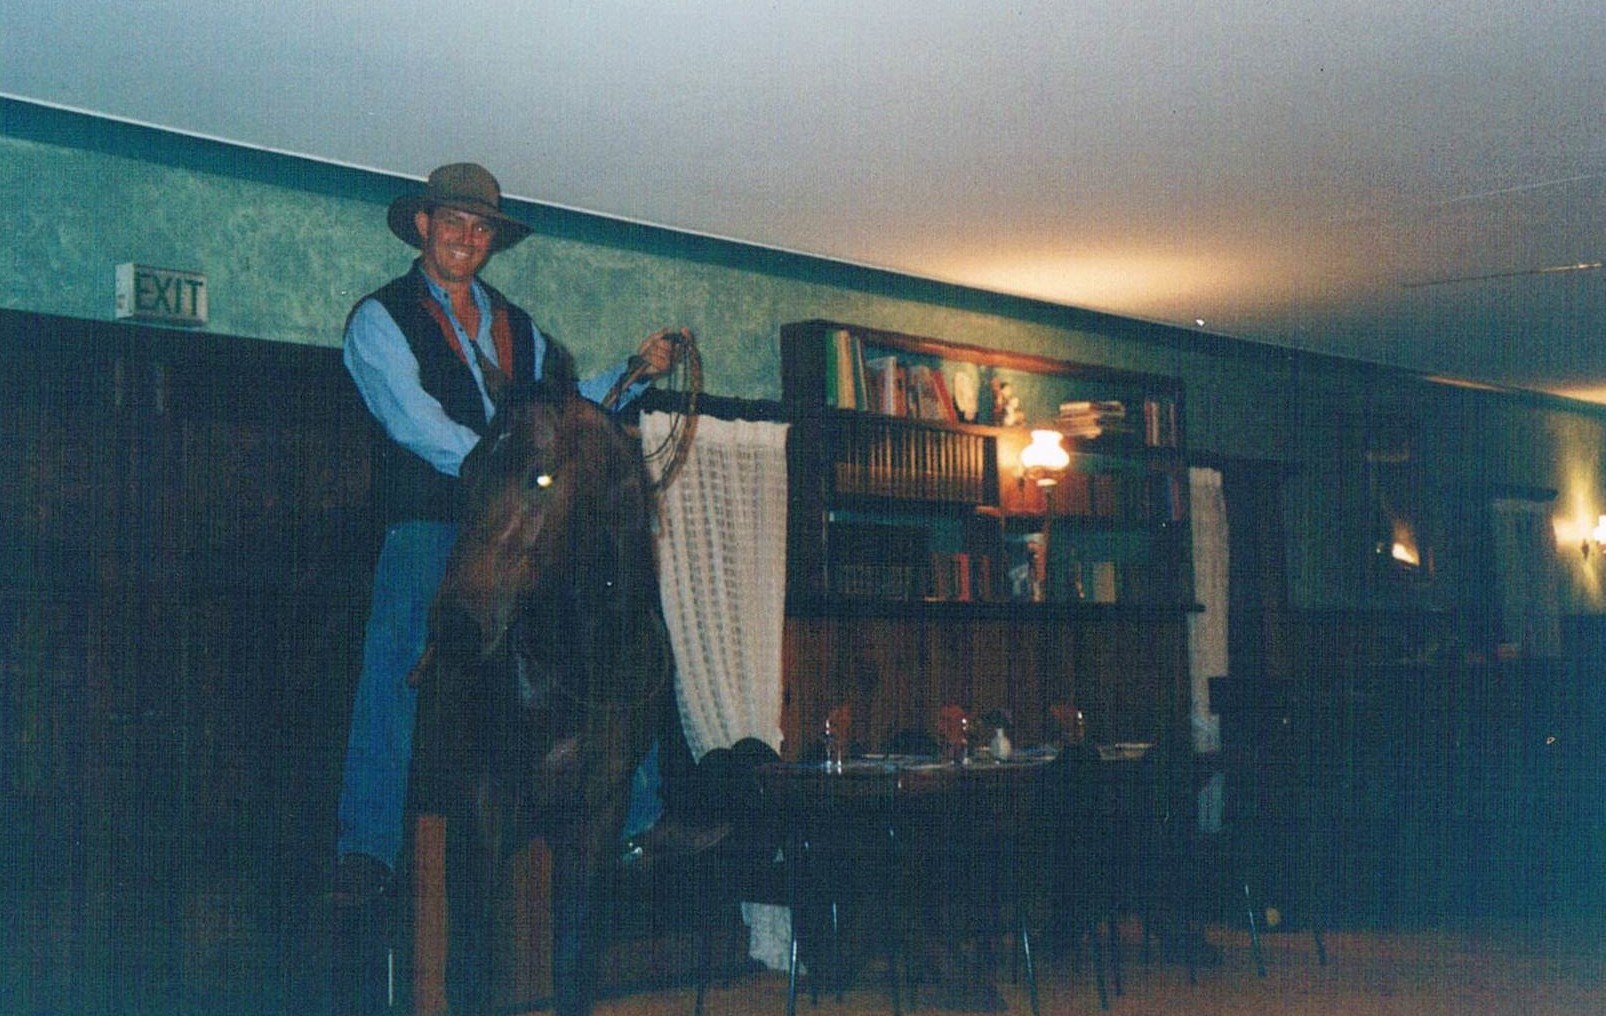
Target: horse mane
558 365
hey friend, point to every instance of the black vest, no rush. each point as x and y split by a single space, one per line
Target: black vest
406 486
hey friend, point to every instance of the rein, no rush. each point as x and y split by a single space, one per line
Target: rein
685 377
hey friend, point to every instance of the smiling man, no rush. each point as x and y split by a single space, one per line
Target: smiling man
419 349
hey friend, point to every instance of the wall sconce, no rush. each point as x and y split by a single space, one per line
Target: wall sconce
1045 459
1596 540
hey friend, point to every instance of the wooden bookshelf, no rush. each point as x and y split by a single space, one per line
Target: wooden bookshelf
924 436
908 521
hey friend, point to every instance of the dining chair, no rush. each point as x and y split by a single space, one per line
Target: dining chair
1244 850
841 852
728 789
1280 764
1176 870
685 876
1089 855
668 884
972 838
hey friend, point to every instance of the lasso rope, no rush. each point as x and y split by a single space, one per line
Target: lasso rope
686 376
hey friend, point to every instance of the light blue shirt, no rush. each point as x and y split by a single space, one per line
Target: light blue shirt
386 372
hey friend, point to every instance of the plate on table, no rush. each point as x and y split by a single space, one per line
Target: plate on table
1124 751
864 764
1041 753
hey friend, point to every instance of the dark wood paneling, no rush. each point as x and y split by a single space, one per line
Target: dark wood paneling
183 581
1126 671
1414 790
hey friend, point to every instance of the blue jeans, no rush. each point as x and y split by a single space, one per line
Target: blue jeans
379 748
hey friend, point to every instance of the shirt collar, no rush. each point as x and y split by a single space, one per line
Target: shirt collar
436 290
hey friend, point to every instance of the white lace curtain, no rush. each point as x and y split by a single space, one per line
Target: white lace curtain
1527 568
722 571
722 568
1207 629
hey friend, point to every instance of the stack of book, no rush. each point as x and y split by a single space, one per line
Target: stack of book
1090 419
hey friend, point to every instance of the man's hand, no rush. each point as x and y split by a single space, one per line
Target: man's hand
657 355
661 350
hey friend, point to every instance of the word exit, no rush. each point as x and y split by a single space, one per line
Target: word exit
161 294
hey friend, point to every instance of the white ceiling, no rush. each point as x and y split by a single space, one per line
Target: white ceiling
1285 171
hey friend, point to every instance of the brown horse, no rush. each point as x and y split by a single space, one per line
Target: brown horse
548 662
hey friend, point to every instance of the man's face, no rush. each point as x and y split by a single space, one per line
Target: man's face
456 243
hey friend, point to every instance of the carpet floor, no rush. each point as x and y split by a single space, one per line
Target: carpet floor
1532 969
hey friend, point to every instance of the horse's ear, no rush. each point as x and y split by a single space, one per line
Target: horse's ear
558 365
497 382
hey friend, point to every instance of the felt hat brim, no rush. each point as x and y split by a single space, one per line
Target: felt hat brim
463 186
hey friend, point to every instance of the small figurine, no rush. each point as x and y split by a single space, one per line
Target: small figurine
1006 404
1001 746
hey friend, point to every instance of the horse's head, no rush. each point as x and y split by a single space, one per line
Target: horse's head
556 514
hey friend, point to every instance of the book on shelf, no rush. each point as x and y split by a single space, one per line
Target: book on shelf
1104 581
885 386
945 398
960 565
914 394
856 348
1160 421
928 395
833 371
844 371
953 577
1175 503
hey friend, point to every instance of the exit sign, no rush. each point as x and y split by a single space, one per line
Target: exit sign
161 294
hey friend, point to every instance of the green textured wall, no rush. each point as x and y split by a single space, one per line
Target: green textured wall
287 245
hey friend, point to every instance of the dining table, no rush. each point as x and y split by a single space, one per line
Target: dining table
929 859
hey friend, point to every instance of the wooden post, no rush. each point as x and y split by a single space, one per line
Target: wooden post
429 916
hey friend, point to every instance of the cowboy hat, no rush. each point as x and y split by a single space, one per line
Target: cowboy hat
461 185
